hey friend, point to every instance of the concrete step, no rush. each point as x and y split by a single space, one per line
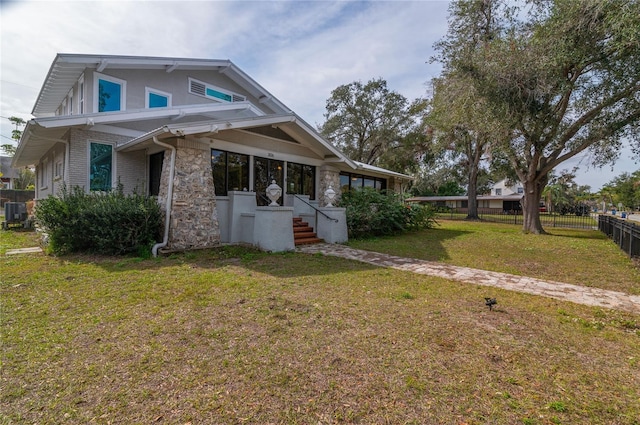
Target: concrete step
307 241
303 234
302 229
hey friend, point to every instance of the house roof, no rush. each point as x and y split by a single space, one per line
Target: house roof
47 129
66 69
290 124
40 134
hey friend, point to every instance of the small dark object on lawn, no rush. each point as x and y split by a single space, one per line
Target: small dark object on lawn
490 302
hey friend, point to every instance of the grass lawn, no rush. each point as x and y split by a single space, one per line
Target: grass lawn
234 336
578 256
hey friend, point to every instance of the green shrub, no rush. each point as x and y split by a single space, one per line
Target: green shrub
106 223
374 213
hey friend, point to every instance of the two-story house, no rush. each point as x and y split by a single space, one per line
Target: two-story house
504 197
200 134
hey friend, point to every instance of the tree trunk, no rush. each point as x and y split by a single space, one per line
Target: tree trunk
472 192
531 207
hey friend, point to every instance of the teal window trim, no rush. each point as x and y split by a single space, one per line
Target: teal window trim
157 98
209 91
109 93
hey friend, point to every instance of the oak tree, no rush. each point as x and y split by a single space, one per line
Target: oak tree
562 75
374 125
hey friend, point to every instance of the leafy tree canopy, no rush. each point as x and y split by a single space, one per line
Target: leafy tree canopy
562 75
375 125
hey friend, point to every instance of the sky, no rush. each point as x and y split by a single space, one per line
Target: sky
298 50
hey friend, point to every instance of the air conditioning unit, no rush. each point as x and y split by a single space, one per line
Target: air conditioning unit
15 212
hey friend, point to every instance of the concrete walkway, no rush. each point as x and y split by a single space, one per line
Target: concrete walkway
23 250
558 290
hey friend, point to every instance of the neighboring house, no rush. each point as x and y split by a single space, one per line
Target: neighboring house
205 125
503 198
506 188
9 174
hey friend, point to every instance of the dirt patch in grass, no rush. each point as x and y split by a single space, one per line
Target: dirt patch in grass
299 339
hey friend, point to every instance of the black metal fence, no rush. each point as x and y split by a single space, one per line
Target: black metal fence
625 233
586 221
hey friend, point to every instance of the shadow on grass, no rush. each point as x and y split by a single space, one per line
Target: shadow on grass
285 264
426 245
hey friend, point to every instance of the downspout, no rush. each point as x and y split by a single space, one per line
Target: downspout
167 218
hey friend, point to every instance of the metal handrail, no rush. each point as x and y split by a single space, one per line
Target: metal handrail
264 197
317 210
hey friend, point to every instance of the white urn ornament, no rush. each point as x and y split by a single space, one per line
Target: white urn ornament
329 196
273 193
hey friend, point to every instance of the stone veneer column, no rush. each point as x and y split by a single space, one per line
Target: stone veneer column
328 176
194 221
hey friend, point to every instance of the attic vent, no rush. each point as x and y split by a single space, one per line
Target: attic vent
197 87
212 92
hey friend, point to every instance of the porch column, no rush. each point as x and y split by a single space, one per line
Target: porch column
194 221
329 176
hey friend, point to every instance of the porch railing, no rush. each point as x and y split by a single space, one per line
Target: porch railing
316 209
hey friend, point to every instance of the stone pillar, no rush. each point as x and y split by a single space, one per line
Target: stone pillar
194 221
329 176
395 184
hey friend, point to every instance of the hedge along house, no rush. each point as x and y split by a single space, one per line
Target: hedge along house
200 134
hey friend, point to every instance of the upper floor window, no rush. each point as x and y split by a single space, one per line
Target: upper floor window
81 95
70 102
109 93
520 190
498 192
212 92
156 98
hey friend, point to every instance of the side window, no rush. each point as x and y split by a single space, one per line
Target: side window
59 170
350 181
109 93
70 102
156 98
100 166
44 170
81 95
